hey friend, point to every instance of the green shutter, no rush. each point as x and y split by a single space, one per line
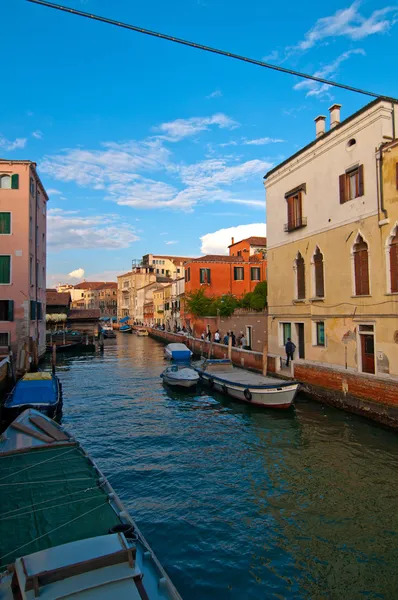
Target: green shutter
5 222
5 269
15 181
208 276
11 310
32 310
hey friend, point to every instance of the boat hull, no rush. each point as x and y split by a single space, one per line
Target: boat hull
126 329
180 382
280 397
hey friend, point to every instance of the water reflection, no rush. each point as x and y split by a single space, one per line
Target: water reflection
240 502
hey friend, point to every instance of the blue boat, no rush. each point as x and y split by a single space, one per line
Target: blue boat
125 329
177 352
41 391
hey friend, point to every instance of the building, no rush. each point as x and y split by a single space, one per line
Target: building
332 217
158 306
168 305
144 297
57 308
91 295
252 246
85 321
127 286
23 238
177 302
168 266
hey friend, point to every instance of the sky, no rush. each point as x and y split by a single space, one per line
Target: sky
148 146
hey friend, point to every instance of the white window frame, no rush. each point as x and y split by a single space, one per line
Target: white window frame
393 231
241 278
280 334
10 282
249 335
314 333
359 345
259 273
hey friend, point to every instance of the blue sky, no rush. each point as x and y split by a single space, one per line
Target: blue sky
148 146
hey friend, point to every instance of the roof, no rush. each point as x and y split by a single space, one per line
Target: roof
172 258
219 258
33 166
95 285
82 314
327 133
253 241
125 274
161 279
57 298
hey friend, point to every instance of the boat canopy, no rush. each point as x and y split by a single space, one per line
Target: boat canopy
124 320
33 391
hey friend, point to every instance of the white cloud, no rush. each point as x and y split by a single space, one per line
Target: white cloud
231 143
213 172
218 241
327 71
53 192
70 230
179 129
262 141
170 242
9 146
215 94
77 273
348 22
37 134
272 56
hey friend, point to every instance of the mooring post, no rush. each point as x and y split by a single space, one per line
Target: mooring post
54 357
230 347
265 358
210 348
101 342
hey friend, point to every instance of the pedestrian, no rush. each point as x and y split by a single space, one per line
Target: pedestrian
226 338
202 337
208 335
217 336
243 342
290 348
233 338
239 338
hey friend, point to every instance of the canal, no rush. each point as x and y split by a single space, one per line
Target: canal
237 502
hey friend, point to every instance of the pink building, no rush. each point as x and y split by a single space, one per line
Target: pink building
22 261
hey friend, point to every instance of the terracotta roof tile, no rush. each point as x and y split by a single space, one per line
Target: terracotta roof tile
82 314
253 241
219 258
57 299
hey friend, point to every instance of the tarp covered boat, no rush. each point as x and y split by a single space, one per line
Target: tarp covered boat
67 534
41 391
178 352
180 377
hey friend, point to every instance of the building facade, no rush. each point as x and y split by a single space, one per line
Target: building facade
158 307
168 266
23 238
332 217
91 295
127 286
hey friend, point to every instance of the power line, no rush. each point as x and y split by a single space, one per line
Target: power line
246 59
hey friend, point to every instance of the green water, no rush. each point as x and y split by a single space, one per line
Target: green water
239 502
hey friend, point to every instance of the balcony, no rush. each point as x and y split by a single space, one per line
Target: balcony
297 224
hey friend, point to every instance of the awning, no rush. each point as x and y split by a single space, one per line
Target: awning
124 319
104 318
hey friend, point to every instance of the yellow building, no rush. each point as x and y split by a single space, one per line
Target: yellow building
168 306
158 306
332 218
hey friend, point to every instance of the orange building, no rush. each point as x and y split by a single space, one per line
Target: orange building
235 274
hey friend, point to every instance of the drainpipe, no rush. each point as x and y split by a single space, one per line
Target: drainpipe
393 119
383 209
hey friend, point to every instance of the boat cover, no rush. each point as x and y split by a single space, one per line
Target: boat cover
124 320
33 391
178 351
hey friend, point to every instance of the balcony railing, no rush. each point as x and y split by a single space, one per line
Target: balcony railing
297 224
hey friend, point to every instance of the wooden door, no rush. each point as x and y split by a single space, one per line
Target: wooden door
300 340
368 353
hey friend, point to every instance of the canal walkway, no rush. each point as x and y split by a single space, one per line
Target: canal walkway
238 502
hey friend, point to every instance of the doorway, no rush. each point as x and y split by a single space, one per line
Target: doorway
300 340
249 336
367 340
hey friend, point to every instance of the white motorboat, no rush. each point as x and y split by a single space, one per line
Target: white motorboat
246 386
180 377
178 352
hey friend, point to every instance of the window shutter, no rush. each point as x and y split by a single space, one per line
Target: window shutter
14 181
290 212
342 184
208 276
5 222
300 278
5 269
361 265
32 310
10 310
361 183
394 265
319 279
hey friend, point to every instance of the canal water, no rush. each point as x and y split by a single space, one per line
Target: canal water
237 502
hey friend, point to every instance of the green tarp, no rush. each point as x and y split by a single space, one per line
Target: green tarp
49 497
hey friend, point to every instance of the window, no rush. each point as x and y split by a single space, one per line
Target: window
300 276
295 218
126 284
32 186
39 307
361 267
8 182
239 273
351 184
33 310
286 331
5 269
188 274
30 227
6 310
31 270
319 276
239 252
5 223
255 273
4 338
162 271
204 275
178 271
320 333
43 240
394 263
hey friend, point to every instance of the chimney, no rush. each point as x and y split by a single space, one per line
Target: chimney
320 125
232 240
334 115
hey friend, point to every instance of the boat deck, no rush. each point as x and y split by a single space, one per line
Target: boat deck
246 379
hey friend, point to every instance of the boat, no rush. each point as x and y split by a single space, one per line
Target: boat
180 377
64 340
252 388
178 352
125 329
5 368
67 534
142 332
107 331
41 391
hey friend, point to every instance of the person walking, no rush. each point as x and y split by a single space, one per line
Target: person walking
233 339
217 336
208 335
290 348
243 342
226 338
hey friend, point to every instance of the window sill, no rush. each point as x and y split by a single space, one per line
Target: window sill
317 299
363 296
391 294
319 345
297 301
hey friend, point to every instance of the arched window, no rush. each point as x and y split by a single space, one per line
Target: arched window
5 182
394 262
318 272
300 274
361 267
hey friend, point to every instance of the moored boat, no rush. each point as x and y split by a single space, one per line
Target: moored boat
77 539
178 352
246 386
180 377
125 329
142 332
41 391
